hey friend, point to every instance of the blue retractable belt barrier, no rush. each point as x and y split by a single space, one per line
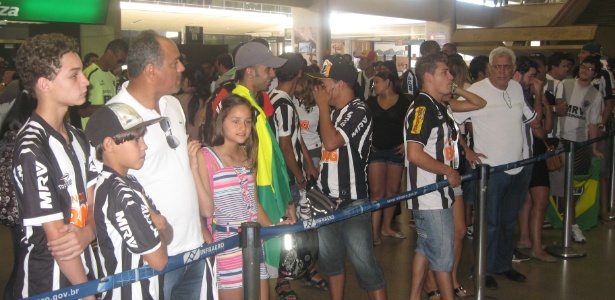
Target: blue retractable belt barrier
177 261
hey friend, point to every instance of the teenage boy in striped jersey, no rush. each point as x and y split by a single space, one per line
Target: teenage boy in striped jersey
53 171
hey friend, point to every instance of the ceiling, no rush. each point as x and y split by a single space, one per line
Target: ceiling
139 17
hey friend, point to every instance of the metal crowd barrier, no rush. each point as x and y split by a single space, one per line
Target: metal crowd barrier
251 233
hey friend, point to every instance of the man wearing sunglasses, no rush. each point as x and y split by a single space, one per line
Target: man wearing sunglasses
103 83
498 135
155 73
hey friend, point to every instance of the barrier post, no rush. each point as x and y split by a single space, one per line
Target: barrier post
566 250
250 244
480 231
612 193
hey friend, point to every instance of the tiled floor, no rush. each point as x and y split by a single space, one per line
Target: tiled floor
591 277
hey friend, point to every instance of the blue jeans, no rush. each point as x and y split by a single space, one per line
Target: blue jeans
435 236
506 194
352 236
185 282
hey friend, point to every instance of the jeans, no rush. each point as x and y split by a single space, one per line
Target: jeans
506 194
352 236
435 236
185 282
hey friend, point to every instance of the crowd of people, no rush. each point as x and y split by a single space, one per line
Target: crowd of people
110 176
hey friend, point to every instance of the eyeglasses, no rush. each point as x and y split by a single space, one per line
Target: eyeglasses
584 67
172 140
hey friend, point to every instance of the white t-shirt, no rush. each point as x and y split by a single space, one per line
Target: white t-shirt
583 110
308 121
556 88
498 126
166 175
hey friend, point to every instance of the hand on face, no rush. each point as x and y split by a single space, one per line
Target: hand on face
321 95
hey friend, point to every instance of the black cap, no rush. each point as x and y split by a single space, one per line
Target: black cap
338 69
113 119
593 48
293 63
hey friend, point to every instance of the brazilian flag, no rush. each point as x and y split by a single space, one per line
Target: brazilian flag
587 205
272 180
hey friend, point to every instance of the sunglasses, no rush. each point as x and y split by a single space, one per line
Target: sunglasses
172 140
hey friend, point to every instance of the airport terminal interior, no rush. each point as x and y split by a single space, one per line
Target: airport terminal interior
394 29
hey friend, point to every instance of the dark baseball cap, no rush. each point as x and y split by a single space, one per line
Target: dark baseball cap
113 119
293 63
338 69
255 53
593 48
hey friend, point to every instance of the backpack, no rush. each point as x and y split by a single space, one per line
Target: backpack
9 213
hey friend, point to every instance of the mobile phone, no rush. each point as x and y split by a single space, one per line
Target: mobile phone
550 97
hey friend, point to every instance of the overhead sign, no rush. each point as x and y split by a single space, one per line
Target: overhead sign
192 35
71 11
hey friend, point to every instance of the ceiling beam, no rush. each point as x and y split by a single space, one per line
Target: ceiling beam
563 33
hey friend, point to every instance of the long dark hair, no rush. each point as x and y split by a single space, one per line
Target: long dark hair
216 134
386 75
305 97
22 109
196 79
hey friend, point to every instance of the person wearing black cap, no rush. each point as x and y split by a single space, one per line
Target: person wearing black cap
285 125
123 212
346 138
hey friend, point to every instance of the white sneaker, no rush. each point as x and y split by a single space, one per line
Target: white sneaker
577 234
470 232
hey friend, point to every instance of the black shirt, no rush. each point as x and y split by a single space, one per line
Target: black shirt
388 124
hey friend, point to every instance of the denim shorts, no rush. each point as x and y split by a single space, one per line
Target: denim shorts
386 156
352 236
435 234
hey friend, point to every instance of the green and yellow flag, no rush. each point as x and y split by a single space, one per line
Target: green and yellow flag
271 177
587 205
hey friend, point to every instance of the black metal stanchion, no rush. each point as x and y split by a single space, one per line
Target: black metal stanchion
612 193
250 244
566 250
480 232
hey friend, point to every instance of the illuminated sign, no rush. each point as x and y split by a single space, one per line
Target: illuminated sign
71 11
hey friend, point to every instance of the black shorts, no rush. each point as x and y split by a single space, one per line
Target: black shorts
540 174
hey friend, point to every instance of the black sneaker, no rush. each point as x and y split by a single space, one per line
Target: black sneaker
513 275
490 283
519 257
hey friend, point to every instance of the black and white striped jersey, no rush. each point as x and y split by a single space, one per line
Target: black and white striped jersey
51 177
343 171
426 124
285 122
125 232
